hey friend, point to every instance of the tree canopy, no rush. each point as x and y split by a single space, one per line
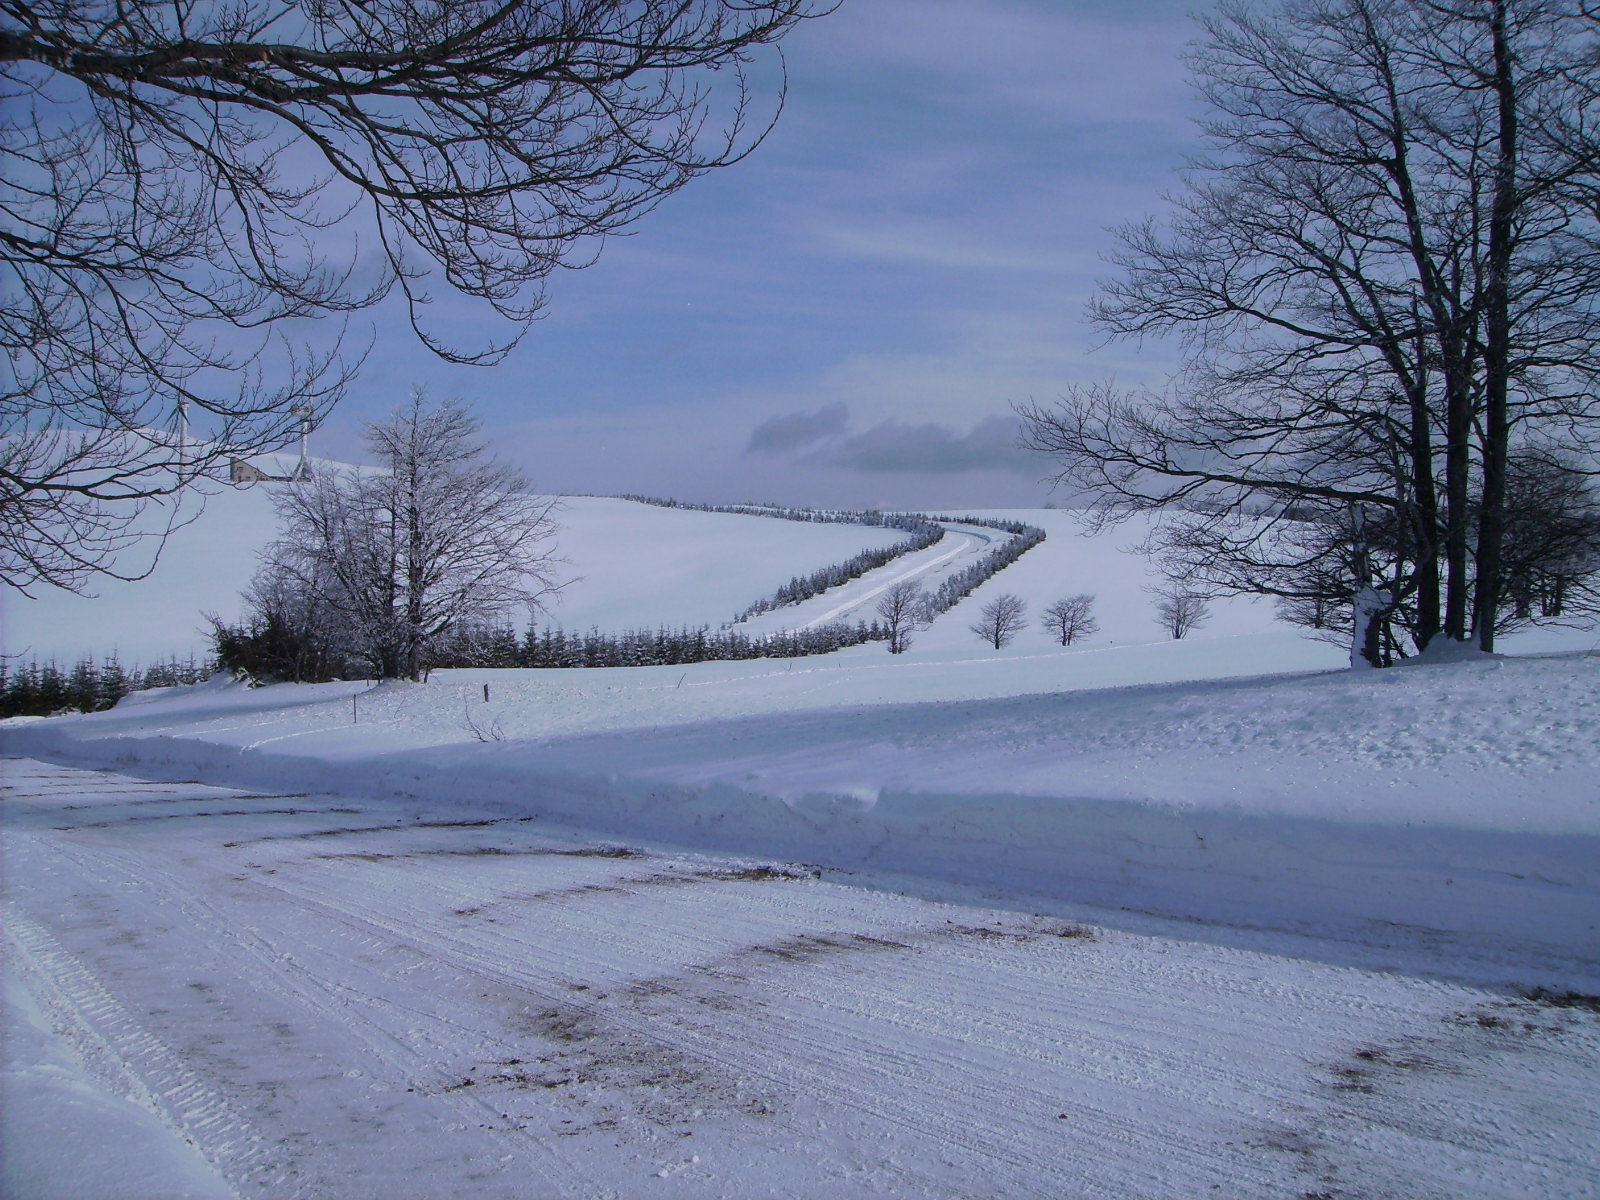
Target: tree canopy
1385 271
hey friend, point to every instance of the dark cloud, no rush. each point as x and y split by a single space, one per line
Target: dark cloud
933 449
791 431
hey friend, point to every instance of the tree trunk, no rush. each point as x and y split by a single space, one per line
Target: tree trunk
1424 513
1497 339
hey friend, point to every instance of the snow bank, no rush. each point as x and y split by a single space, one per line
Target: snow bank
1462 800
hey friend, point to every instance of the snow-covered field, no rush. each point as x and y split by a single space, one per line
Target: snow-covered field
624 565
1131 918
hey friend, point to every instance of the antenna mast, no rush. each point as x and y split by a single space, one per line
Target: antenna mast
303 411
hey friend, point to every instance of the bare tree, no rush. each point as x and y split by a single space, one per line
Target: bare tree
441 537
1385 272
1552 543
1000 620
1071 618
904 610
289 632
1178 611
187 187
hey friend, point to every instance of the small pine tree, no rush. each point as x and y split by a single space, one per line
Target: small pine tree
83 686
23 694
114 683
53 695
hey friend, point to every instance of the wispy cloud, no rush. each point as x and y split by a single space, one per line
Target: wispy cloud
933 449
790 431
928 447
1061 62
940 245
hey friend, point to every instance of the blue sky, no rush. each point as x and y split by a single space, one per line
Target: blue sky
847 316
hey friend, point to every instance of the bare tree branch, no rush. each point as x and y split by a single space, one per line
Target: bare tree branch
187 190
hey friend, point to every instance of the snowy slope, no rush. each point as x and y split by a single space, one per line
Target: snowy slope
636 566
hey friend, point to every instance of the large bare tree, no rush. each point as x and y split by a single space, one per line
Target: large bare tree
1385 273
439 538
185 187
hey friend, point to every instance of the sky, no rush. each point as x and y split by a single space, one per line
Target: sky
848 316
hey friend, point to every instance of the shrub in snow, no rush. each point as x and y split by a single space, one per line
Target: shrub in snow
1179 610
1071 618
1000 620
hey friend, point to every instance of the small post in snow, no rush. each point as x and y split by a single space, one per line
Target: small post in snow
353 696
486 693
1370 604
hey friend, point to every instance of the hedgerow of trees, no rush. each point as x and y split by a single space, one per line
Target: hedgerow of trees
802 588
957 587
924 533
185 189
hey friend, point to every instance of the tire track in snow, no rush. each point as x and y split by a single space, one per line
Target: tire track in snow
266 965
487 966
973 541
125 1056
1177 1067
759 1054
829 1043
1244 1089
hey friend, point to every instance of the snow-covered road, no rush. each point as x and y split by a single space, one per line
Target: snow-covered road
337 997
961 547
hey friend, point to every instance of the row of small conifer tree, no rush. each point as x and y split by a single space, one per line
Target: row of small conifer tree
924 532
253 651
39 689
548 647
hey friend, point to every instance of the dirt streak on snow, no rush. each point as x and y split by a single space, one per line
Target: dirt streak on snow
330 997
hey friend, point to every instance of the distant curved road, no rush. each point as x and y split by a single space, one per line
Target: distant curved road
847 601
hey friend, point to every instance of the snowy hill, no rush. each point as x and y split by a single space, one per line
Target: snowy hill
631 565
626 565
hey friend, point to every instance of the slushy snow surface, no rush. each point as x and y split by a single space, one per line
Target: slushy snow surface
1130 919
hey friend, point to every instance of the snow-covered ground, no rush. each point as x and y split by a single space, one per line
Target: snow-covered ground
1130 918
338 997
